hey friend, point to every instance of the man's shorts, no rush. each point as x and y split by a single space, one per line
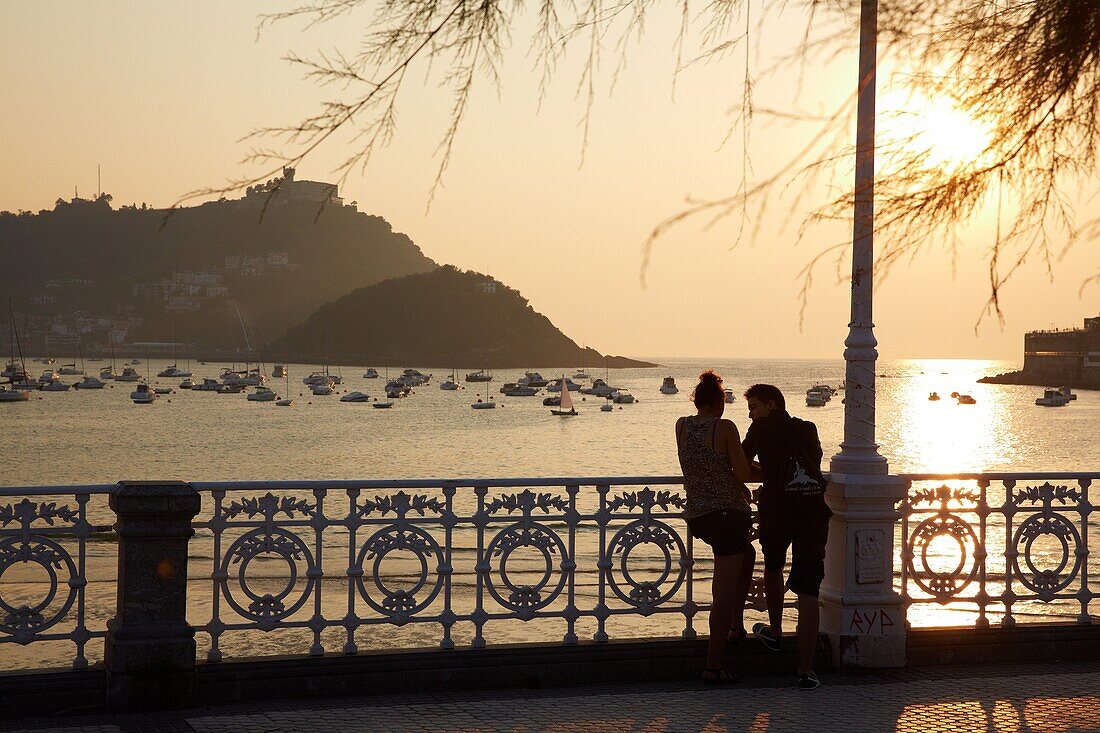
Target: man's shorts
725 530
805 530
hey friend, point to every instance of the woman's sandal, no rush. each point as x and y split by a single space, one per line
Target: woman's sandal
737 637
720 676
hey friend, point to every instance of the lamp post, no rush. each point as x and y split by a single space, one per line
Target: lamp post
859 452
861 612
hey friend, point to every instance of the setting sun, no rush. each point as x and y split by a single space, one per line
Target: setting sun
937 131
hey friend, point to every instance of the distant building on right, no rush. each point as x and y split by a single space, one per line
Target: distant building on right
1069 356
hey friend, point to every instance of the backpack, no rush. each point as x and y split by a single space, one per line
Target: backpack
801 476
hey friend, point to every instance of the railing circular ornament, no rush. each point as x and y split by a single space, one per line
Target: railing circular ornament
943 585
1049 581
526 598
268 608
26 620
647 594
400 603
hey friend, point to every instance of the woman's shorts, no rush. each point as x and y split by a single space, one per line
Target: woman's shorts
725 530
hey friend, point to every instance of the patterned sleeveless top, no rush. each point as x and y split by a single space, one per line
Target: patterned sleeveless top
708 478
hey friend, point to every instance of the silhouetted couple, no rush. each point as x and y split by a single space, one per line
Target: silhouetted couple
792 515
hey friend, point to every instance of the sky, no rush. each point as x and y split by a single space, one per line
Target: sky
160 94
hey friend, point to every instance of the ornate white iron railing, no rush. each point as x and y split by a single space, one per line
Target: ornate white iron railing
45 536
464 561
1006 545
476 552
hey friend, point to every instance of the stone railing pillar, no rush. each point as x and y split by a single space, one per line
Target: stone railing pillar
861 612
150 647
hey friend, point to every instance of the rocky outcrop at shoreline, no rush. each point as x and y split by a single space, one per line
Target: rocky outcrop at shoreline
1039 380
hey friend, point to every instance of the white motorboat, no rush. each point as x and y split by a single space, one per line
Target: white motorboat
533 379
565 407
49 375
262 394
107 373
322 389
129 374
355 397
668 386
520 391
818 395
414 378
89 383
229 389
14 395
572 386
279 371
143 395
730 399
599 388
187 383
622 397
1052 398
55 386
207 385
581 374
16 374
321 377
371 373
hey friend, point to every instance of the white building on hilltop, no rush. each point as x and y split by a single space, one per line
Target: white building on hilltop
286 189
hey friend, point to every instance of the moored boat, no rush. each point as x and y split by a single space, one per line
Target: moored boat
565 408
668 386
10 394
262 394
1052 398
89 383
142 395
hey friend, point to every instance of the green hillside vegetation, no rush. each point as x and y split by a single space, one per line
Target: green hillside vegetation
444 317
329 252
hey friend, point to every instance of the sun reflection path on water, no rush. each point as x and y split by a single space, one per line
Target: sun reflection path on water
945 436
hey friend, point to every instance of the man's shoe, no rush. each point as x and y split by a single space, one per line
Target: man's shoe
763 632
808 681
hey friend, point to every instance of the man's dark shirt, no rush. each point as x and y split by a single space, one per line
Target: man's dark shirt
770 438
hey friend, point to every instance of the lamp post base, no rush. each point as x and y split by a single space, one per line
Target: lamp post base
862 614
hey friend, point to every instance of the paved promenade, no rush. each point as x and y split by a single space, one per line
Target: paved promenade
1041 698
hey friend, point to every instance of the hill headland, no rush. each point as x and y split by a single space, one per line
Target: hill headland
215 278
443 317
